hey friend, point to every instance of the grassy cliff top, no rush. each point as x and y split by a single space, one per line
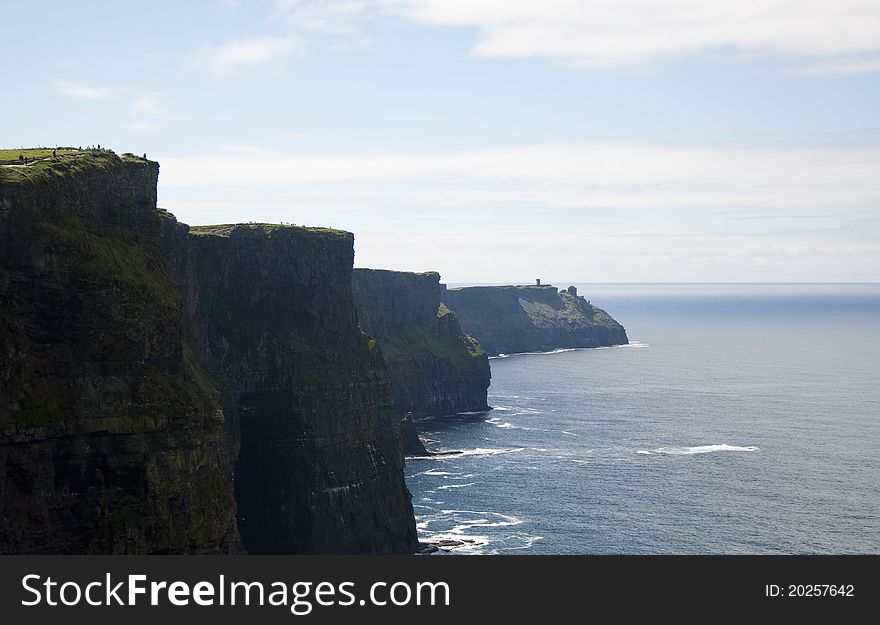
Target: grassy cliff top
12 154
530 287
225 230
430 274
41 165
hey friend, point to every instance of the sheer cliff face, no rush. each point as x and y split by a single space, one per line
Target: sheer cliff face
110 436
511 319
320 467
151 378
435 368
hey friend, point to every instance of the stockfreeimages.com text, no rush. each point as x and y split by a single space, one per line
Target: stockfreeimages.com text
300 597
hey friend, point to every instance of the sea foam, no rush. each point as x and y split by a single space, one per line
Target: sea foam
698 449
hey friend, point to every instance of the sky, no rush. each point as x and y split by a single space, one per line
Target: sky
489 140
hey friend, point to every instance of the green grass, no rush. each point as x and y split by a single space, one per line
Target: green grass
199 389
71 161
112 257
474 348
224 230
416 341
13 154
47 170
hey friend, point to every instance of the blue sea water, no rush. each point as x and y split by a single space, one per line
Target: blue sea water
740 419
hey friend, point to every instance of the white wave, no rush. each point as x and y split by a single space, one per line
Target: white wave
562 350
464 527
451 531
504 425
479 451
527 542
448 486
569 433
435 472
698 449
474 545
525 411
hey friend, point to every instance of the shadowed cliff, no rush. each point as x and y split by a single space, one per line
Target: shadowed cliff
153 377
111 437
436 369
270 312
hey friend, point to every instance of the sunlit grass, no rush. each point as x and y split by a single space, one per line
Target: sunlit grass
14 153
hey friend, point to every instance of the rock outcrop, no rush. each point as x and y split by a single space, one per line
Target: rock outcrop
511 319
436 369
153 379
412 443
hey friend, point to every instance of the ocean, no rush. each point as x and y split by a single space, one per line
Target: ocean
740 419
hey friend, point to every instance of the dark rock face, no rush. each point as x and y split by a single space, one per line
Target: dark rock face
110 435
511 319
412 444
271 315
436 369
150 378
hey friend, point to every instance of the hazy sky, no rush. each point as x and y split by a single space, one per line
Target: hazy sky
491 140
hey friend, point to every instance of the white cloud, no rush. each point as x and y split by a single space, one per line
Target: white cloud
334 16
591 174
148 109
225 59
608 33
149 112
631 33
87 92
149 104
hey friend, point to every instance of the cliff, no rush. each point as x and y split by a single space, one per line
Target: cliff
154 379
110 435
436 369
511 319
271 316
